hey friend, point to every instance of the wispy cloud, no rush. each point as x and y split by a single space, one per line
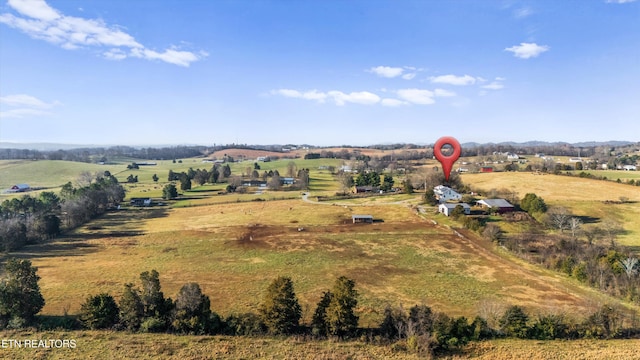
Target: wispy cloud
404 96
417 96
405 72
393 102
527 50
387 71
362 97
40 21
522 12
620 1
493 86
339 98
453 80
25 106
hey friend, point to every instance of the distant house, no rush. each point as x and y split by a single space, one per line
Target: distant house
19 188
512 156
486 169
501 205
629 168
254 182
287 180
575 159
367 219
447 208
139 202
367 189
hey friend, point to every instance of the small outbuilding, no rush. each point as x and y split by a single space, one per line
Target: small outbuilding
140 202
501 205
367 219
447 208
20 188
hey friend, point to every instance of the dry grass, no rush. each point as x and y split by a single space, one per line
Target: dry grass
120 345
553 188
596 199
234 250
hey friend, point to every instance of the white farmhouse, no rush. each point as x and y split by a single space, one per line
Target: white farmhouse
444 194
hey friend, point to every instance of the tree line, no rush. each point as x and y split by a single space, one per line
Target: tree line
29 219
420 329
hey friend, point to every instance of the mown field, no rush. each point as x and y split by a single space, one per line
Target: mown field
114 345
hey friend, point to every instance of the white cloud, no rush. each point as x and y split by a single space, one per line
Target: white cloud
26 105
340 98
27 101
417 96
308 95
392 102
523 12
23 113
404 96
498 78
409 76
453 80
443 93
493 86
386 71
620 1
40 21
527 50
362 97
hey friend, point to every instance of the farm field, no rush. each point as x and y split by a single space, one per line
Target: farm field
234 246
110 345
584 197
234 250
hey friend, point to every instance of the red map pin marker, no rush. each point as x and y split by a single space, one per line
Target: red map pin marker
447 160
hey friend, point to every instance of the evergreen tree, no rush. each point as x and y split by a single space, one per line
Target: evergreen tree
514 322
20 295
319 326
131 308
154 303
280 309
341 318
169 192
99 312
192 310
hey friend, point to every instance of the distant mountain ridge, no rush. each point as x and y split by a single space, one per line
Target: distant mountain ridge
44 146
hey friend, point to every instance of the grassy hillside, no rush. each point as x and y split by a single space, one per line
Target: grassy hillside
584 197
114 345
234 250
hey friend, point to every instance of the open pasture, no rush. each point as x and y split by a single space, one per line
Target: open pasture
234 250
595 199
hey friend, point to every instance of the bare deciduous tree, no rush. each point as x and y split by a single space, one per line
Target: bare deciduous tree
559 218
575 224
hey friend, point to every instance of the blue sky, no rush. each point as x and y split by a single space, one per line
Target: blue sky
325 72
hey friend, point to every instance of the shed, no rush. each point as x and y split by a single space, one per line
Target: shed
447 208
486 169
362 219
19 188
140 202
501 205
